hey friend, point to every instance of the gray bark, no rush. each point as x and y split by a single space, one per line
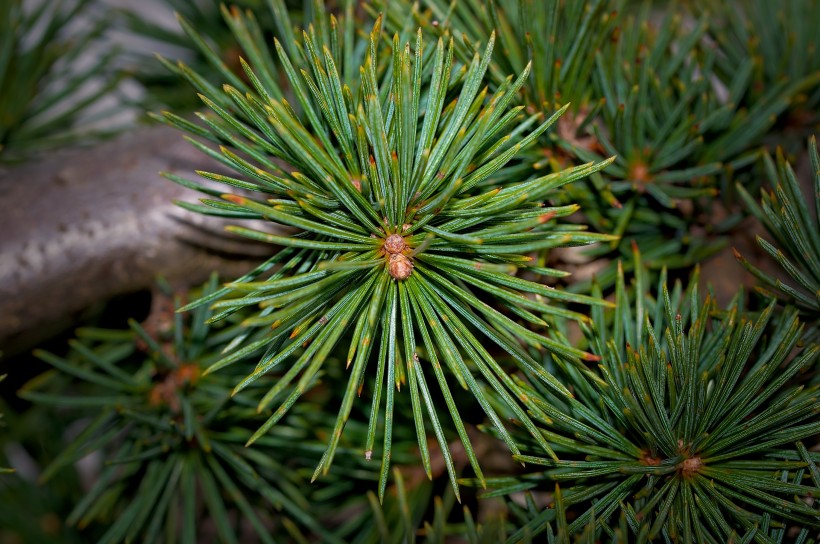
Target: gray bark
86 225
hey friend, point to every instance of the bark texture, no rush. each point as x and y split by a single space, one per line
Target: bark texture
83 226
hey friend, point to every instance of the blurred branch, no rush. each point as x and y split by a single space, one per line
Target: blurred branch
81 227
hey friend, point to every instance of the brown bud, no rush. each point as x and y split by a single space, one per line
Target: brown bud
399 266
394 244
690 467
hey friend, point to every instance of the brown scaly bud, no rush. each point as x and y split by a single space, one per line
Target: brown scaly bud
400 266
166 392
394 244
691 466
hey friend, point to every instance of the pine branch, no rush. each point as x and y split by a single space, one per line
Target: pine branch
413 512
172 438
778 40
785 213
210 51
691 429
400 241
46 96
87 234
659 101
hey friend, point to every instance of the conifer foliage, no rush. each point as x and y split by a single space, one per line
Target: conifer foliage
785 210
400 240
425 174
46 90
690 432
172 438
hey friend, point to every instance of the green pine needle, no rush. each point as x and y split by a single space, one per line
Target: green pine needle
777 39
172 440
785 213
680 114
46 93
405 233
693 431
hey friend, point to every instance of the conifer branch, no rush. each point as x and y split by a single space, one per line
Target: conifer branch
401 241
